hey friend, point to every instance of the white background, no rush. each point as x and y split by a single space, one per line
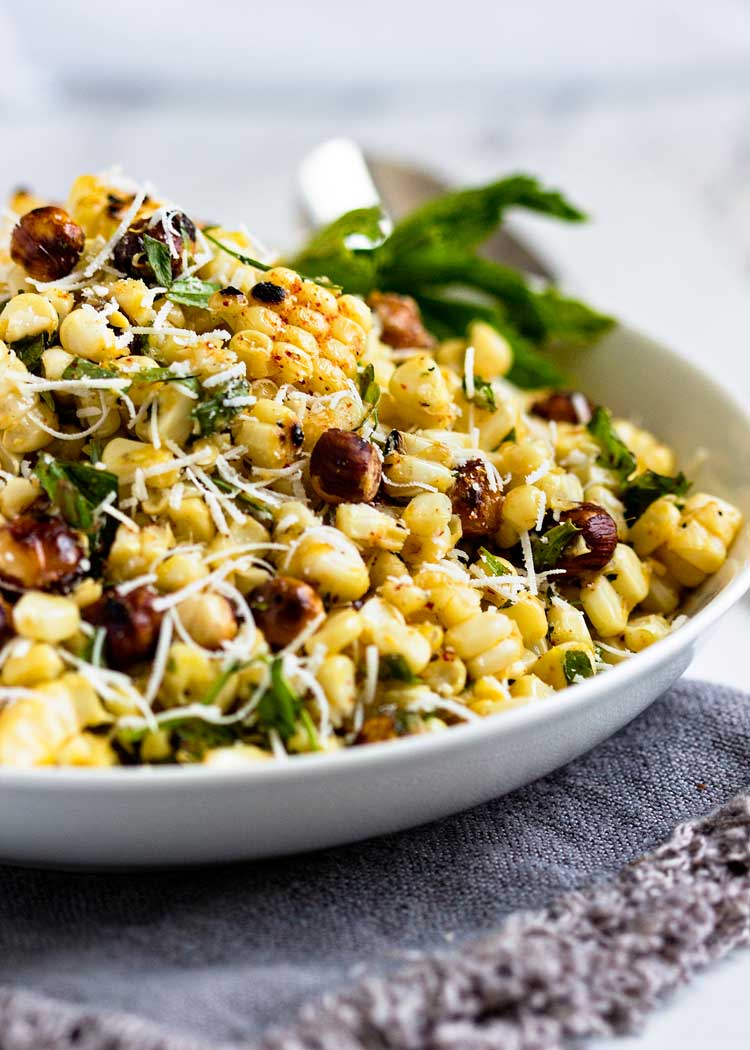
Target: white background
641 110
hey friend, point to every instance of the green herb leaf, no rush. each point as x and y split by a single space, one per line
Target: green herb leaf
395 666
309 727
640 493
548 548
495 566
30 351
75 488
484 395
615 453
576 664
193 737
279 707
159 374
83 369
191 291
345 250
510 436
237 254
160 259
467 217
213 413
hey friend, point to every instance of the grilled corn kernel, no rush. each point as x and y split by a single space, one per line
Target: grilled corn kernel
643 631
419 389
664 591
551 667
528 613
604 607
492 353
336 675
329 561
46 617
26 316
654 527
567 624
124 457
530 687
84 333
629 576
340 629
208 618
370 527
40 663
720 518
16 495
522 506
178 571
694 544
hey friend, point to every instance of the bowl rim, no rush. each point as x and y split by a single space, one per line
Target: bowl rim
421 746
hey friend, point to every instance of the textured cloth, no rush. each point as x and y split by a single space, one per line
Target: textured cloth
218 956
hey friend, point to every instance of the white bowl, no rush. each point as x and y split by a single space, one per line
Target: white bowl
164 816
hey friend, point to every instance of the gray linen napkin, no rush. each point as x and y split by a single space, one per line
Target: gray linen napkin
220 956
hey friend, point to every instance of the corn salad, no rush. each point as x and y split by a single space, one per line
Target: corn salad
244 515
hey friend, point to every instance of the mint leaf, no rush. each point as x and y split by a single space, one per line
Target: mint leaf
640 493
576 664
160 259
345 250
548 548
615 453
484 395
237 254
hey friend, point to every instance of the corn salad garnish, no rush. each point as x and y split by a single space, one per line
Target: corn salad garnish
244 514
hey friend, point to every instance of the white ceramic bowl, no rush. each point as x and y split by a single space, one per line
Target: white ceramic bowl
165 816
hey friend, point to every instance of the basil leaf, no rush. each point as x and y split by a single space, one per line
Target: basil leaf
568 323
214 413
76 489
346 250
368 388
160 259
548 548
395 666
467 217
159 375
83 369
309 727
193 737
279 707
30 351
576 664
495 565
640 493
615 453
191 291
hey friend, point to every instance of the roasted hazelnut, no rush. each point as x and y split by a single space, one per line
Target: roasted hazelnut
6 619
560 406
282 607
130 252
39 551
477 503
268 292
376 729
131 624
344 468
598 532
400 320
47 243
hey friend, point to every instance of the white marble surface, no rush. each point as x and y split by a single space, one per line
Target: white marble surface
640 111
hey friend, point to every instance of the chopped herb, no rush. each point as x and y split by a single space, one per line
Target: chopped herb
548 548
484 395
369 392
77 490
93 449
237 254
159 375
496 566
279 707
160 259
83 369
510 436
30 351
187 291
259 510
615 453
576 664
640 493
395 666
193 737
213 691
213 413
309 727
191 291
